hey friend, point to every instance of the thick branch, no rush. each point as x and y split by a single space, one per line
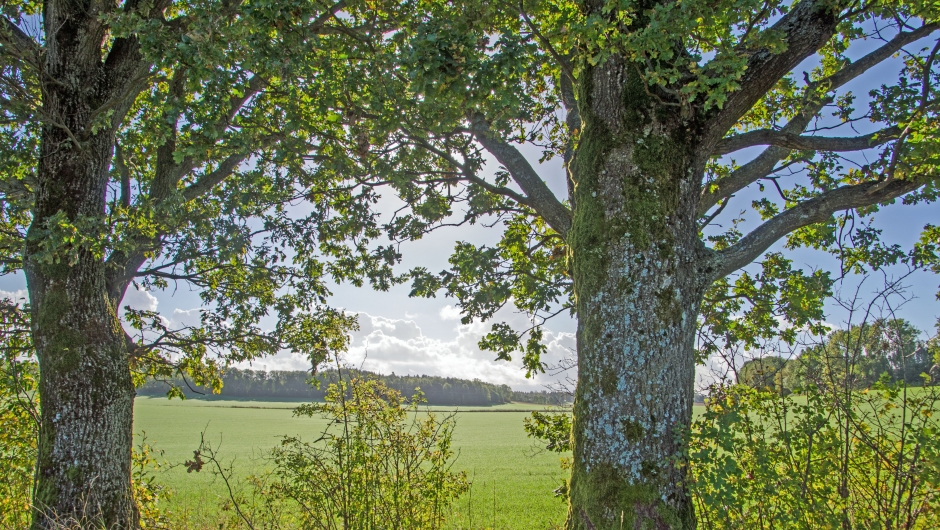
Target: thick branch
540 198
564 62
885 52
765 163
206 182
321 21
791 140
14 39
255 85
573 124
125 173
740 178
12 189
467 173
812 211
761 166
806 28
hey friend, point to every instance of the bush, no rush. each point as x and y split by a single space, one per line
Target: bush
18 435
381 463
828 459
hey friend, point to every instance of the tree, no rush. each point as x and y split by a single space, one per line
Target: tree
647 103
159 144
859 357
763 373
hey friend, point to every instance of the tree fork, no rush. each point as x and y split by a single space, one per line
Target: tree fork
83 473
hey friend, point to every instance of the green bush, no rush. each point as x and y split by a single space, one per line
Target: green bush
18 434
866 459
381 463
764 373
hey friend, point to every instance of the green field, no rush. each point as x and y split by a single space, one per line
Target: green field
512 481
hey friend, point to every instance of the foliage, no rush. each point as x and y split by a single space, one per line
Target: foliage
381 462
551 427
221 130
862 459
151 494
859 357
19 416
555 429
764 373
18 436
863 355
854 445
508 72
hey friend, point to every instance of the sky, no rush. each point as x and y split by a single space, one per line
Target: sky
424 336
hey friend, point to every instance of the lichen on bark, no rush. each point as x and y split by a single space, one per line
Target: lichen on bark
633 251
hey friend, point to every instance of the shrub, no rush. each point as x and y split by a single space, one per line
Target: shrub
381 462
18 434
828 459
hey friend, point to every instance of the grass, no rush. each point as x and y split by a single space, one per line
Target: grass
512 480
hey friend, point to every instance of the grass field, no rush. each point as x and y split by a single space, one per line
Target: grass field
512 481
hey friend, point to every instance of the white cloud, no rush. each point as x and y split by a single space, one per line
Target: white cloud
388 345
18 296
187 317
449 312
140 299
282 361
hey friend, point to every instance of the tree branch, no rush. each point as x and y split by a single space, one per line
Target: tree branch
809 212
206 182
806 28
573 124
468 175
886 51
541 199
12 37
255 85
321 21
764 163
125 173
758 168
564 63
791 141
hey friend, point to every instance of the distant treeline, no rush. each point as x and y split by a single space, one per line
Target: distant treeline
238 383
887 350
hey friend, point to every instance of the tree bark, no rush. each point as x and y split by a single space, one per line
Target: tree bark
635 258
83 474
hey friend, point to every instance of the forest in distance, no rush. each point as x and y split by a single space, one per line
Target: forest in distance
886 350
301 385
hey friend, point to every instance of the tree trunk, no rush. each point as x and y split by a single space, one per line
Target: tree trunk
635 252
83 473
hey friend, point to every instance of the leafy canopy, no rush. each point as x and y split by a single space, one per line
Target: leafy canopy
462 84
222 147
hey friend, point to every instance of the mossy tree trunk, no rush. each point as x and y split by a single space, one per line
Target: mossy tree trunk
83 474
635 258
86 394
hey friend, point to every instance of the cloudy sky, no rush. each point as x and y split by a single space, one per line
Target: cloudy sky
424 336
